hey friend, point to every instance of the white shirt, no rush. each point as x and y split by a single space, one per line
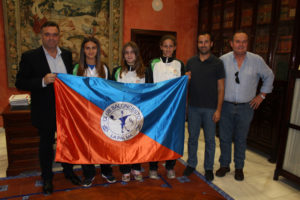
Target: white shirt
130 77
93 72
166 71
56 64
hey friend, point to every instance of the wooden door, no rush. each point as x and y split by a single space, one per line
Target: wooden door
148 43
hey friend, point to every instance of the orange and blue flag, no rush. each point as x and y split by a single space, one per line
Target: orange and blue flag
106 122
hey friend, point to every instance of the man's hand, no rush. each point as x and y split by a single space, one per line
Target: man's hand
189 73
49 78
256 101
216 116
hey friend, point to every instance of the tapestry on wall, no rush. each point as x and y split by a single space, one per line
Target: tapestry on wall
76 18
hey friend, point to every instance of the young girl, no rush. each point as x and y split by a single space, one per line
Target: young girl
132 70
164 68
90 65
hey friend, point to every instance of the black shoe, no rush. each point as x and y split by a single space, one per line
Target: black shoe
47 187
87 182
239 174
209 175
188 171
73 178
222 171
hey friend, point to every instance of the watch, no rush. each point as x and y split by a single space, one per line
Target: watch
262 96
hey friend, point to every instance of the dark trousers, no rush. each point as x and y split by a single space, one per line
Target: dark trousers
169 165
46 154
89 171
125 169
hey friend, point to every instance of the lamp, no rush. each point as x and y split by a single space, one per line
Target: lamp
157 5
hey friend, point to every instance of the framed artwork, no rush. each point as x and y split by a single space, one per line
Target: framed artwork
76 19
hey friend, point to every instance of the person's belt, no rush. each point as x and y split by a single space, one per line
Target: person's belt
236 103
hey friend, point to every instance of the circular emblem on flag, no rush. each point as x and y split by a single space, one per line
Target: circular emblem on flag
122 121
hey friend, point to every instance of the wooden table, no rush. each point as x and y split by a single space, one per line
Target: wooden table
22 141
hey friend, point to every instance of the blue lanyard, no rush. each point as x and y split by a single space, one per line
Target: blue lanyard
91 66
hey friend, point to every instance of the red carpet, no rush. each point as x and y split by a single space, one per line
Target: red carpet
193 187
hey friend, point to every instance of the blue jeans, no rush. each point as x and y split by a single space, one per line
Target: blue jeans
197 118
234 126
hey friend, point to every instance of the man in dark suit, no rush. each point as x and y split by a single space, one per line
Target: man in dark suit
37 72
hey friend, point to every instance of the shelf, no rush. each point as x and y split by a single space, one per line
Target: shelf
215 28
263 24
261 52
227 30
247 15
230 2
227 26
217 5
284 44
287 13
246 27
264 14
287 21
270 25
283 52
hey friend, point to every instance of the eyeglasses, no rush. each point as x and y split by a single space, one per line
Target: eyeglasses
237 80
51 34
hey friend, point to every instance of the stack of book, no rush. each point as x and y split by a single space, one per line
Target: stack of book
19 101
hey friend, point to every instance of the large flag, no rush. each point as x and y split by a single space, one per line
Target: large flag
106 122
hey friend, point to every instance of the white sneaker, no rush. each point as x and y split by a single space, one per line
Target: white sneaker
137 175
153 174
126 177
171 174
87 182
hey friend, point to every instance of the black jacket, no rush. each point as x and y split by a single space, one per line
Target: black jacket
33 67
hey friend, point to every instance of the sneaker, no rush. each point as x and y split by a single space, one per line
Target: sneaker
209 175
222 171
109 178
137 174
75 180
153 174
188 171
126 177
87 182
171 174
